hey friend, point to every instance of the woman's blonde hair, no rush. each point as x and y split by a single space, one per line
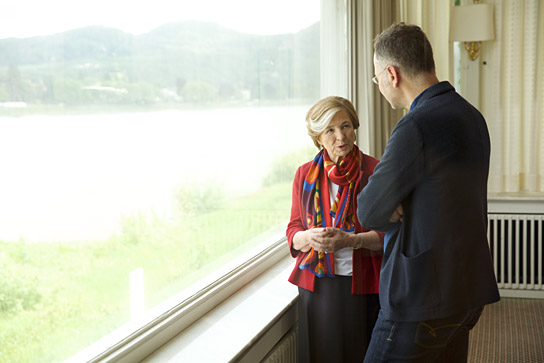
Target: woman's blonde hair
323 111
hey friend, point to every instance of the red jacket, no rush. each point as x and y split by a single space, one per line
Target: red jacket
366 263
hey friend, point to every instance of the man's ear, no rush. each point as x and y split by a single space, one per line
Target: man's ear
394 75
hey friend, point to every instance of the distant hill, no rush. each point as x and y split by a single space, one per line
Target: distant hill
186 62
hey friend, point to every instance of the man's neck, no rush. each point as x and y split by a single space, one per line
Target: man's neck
415 86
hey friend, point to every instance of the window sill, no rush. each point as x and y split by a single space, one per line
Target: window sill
522 202
235 325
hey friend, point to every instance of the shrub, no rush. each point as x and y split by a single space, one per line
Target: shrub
17 291
193 199
284 168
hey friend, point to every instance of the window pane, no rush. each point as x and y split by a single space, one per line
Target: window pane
140 153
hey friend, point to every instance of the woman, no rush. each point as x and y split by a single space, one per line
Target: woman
338 309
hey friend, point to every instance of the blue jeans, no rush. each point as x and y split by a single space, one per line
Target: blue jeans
442 340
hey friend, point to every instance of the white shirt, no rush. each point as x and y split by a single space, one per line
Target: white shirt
343 259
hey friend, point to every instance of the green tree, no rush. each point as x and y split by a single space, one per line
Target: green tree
141 93
180 84
198 92
3 94
196 198
14 84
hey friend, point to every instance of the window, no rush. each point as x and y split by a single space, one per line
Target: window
143 147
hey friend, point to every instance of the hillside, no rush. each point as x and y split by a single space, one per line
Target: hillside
187 62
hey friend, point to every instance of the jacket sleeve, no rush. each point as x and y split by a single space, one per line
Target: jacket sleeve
396 175
369 165
296 222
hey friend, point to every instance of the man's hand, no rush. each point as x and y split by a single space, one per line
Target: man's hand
397 214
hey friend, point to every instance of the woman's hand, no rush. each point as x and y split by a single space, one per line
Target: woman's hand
321 239
301 240
331 239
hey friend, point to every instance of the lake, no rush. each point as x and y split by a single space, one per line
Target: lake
72 177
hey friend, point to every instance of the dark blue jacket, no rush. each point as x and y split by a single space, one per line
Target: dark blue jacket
436 163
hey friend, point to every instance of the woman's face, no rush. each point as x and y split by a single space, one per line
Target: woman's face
338 137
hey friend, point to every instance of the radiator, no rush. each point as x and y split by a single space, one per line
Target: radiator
516 244
285 351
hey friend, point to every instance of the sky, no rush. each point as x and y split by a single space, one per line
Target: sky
27 18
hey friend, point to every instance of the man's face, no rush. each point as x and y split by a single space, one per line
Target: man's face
383 75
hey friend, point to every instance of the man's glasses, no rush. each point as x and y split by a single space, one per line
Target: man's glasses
375 78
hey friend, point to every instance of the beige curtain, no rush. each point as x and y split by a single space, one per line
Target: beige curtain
365 20
385 13
513 96
433 17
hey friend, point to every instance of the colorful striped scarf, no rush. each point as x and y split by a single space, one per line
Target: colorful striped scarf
346 175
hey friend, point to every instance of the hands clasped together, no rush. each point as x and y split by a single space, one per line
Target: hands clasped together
326 239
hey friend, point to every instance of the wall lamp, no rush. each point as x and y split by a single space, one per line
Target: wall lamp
472 24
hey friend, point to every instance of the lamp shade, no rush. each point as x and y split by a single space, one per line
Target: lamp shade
472 23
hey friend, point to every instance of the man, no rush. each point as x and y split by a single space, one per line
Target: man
429 192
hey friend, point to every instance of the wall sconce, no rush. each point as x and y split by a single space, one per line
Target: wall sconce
472 24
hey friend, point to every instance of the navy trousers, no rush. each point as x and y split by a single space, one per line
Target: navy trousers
442 340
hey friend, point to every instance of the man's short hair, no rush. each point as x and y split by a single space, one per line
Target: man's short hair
406 47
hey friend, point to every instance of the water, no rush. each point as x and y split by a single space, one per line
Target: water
72 177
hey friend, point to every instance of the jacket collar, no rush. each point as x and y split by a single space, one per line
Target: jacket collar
434 90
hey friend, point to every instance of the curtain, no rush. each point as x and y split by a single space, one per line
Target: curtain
513 96
366 19
432 16
385 13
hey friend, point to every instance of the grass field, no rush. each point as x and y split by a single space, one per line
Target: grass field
57 298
